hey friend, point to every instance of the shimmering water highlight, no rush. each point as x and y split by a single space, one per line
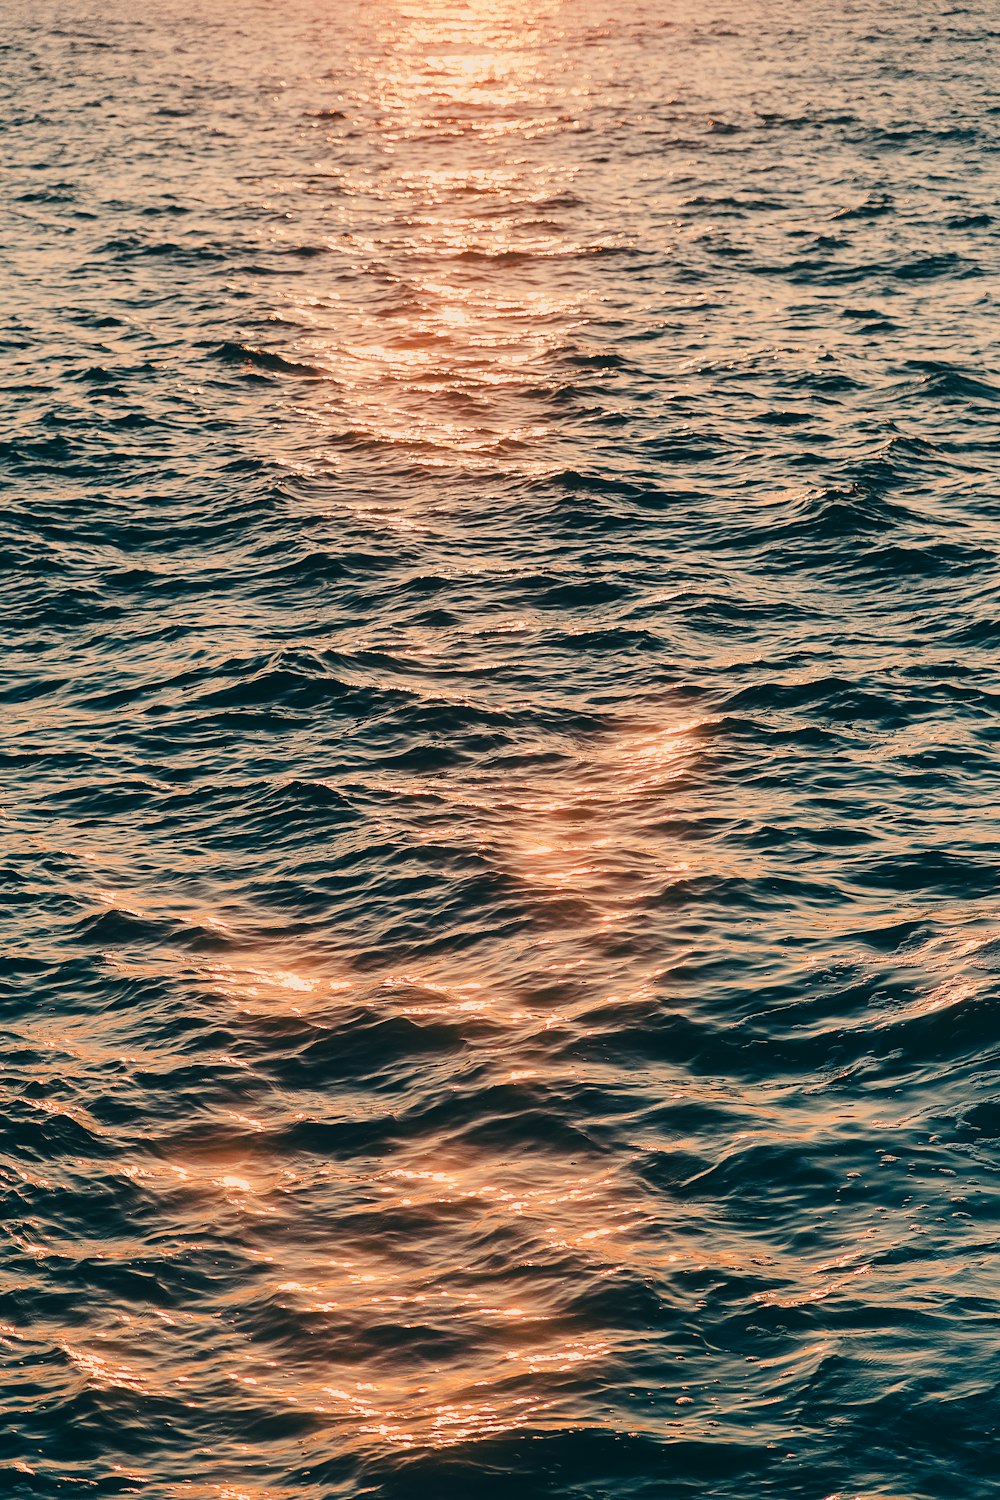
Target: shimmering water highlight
500 750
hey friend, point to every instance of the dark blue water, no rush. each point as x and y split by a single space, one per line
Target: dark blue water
500 710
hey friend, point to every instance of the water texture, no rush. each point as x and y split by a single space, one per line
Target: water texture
501 914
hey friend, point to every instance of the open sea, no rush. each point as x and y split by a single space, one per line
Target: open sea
500 746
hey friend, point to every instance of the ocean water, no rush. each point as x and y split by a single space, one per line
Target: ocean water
500 717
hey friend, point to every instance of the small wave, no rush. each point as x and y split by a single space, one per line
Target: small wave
250 356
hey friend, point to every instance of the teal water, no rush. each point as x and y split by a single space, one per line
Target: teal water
501 908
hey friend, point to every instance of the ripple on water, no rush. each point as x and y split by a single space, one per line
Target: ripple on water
500 952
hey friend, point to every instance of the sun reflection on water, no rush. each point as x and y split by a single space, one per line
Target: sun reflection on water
433 1276
452 307
422 1289
422 1292
596 833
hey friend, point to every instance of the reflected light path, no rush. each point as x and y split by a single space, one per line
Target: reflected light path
499 862
454 308
351 1262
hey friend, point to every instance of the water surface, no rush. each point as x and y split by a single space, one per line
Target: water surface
500 723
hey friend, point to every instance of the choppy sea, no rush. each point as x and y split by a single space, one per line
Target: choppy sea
500 747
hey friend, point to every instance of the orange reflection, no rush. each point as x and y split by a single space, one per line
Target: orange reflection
597 834
445 319
510 1351
343 1304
